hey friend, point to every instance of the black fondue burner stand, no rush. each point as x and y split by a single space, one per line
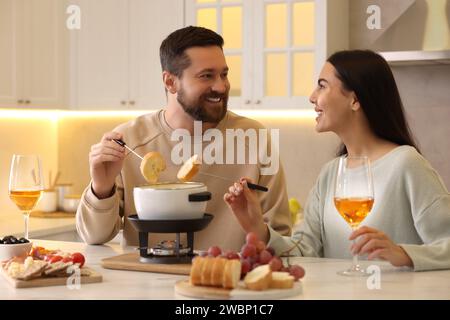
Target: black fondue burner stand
146 227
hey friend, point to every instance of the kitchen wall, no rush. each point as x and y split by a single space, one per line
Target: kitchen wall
426 97
24 132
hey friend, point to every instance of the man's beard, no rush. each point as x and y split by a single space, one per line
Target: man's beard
199 111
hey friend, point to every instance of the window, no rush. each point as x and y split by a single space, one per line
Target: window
274 48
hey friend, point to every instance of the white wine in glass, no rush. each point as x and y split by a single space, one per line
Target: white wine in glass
354 197
25 184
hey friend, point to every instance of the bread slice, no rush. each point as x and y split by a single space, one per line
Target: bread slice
231 274
217 272
151 166
281 280
259 278
196 271
189 169
34 270
207 271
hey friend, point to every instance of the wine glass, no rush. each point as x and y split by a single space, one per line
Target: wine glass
353 198
25 184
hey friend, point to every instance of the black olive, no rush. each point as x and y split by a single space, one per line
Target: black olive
1 241
23 240
13 240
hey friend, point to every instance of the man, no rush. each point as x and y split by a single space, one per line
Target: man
197 87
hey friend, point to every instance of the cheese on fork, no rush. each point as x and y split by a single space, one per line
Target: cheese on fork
189 169
152 165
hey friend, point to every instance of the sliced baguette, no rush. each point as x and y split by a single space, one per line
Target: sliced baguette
207 271
259 278
189 169
231 274
217 272
196 271
281 280
151 166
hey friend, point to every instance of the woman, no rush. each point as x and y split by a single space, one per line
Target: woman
357 98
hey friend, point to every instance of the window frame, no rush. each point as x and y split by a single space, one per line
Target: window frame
253 51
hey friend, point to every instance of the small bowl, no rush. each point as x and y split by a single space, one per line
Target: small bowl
8 251
71 202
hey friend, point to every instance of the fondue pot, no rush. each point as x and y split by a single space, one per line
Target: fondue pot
171 201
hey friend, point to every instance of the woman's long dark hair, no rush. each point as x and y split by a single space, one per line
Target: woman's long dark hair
368 75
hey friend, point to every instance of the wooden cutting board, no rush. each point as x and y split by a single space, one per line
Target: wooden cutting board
93 277
130 261
185 288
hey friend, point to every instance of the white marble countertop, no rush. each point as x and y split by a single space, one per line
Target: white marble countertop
320 282
13 224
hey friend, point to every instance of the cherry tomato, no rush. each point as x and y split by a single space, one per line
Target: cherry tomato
55 259
67 259
78 258
48 257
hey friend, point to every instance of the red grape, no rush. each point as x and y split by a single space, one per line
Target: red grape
260 246
245 266
214 251
275 264
232 255
265 257
297 272
252 238
271 250
248 250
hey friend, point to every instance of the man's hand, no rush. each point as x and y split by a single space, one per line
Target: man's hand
378 245
105 163
245 205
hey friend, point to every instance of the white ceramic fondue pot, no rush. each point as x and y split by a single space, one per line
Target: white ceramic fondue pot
171 201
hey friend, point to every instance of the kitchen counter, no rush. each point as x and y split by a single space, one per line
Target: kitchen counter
11 223
320 282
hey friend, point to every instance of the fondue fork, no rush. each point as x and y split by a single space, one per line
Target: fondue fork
249 184
123 144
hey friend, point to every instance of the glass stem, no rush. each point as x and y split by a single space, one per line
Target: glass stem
26 218
355 259
355 265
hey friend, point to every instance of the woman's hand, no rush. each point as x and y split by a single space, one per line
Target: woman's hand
378 245
244 204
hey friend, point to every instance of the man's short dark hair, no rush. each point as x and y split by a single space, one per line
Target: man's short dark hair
172 51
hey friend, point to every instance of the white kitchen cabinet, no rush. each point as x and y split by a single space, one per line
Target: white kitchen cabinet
274 48
31 53
115 54
8 48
